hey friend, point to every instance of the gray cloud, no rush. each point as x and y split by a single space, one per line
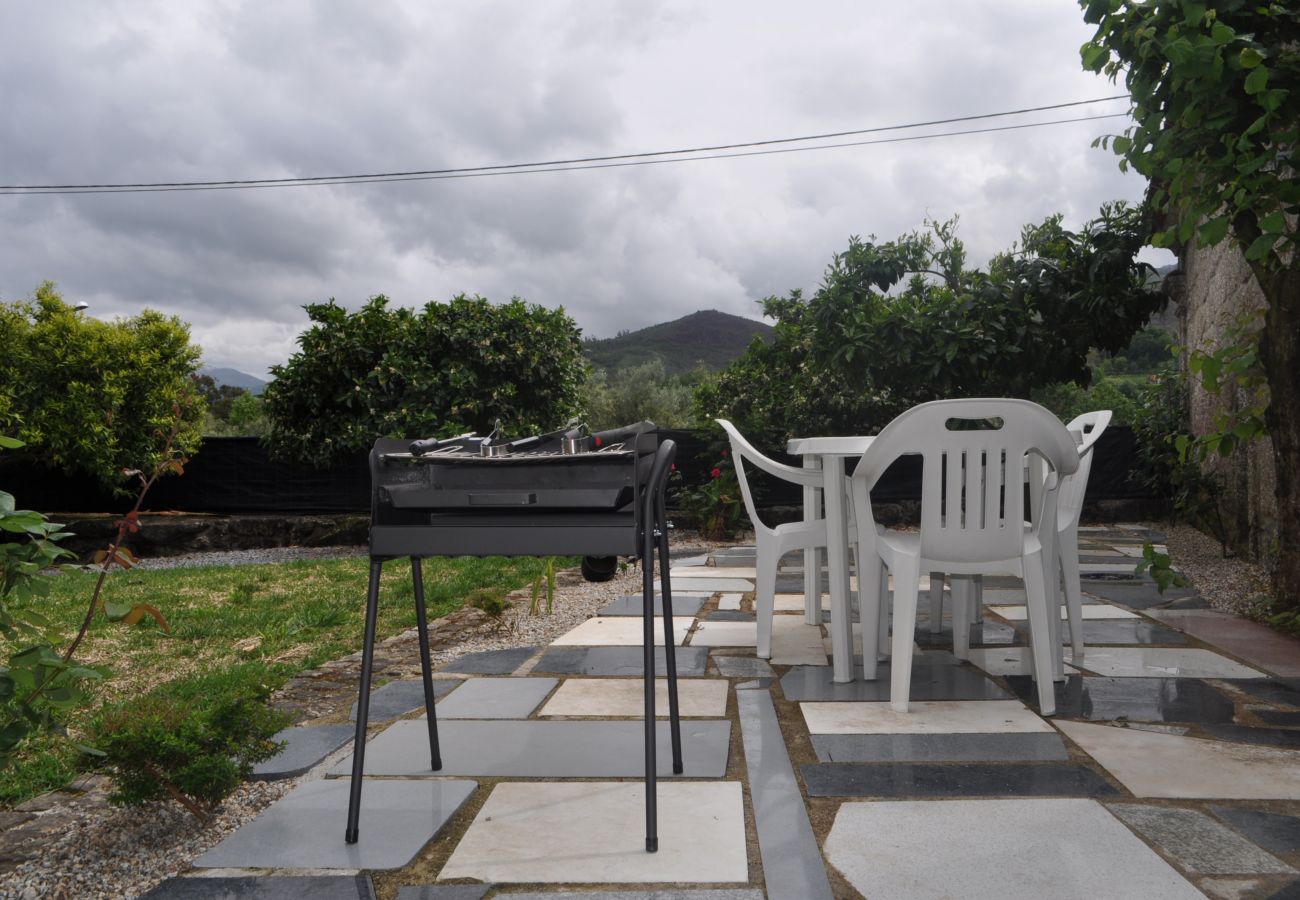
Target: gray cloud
157 91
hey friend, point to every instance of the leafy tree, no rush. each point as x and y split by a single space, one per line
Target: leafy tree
1215 91
218 396
92 396
899 323
448 368
642 392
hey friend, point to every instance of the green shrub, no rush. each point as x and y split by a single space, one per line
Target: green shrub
165 746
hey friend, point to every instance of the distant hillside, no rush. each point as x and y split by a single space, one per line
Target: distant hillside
235 378
709 338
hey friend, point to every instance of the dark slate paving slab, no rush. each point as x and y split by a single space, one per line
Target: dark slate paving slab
929 682
792 861
444 892
1272 831
397 698
305 746
1290 892
844 748
898 780
684 604
261 887
730 615
1134 595
496 698
1246 734
1282 691
739 894
1138 699
792 583
988 633
304 828
544 749
1121 631
1283 718
491 662
1198 843
742 667
611 661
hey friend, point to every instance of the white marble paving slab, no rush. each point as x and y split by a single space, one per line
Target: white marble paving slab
1164 662
730 601
999 661
618 697
1063 849
594 832
1089 611
923 717
689 572
796 644
620 631
789 603
1173 766
726 634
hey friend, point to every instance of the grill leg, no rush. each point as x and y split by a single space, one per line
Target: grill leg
648 646
426 664
363 702
670 649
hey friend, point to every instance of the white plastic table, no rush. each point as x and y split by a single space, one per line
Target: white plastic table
828 455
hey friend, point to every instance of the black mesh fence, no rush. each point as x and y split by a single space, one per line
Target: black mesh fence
235 475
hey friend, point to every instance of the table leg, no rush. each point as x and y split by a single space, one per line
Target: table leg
812 590
837 564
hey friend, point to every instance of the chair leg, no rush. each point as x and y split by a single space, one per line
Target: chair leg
870 600
1068 546
906 587
765 599
936 601
882 612
977 601
1040 634
961 613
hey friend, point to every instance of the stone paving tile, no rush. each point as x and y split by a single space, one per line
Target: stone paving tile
1283 718
614 661
544 749
625 697
792 862
684 604
620 631
1001 661
304 747
789 602
1245 734
1137 699
712 585
689 575
491 662
900 780
1089 611
730 615
1282 691
1273 831
1235 888
1122 631
1257 644
742 667
730 602
989 632
444 892
923 717
265 887
738 894
595 833
1197 843
758 684
1138 595
797 644
1166 765
1160 662
1290 892
944 850
929 682
397 698
495 698
304 828
938 747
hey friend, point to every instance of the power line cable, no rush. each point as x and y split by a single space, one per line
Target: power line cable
590 162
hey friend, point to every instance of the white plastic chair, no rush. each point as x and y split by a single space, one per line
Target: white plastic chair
972 515
772 543
1089 427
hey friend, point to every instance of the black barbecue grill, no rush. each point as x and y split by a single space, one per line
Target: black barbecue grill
560 494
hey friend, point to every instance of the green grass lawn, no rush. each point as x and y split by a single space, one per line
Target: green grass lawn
236 627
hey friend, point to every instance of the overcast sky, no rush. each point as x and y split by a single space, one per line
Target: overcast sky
104 92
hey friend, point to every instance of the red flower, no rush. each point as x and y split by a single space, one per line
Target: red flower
716 473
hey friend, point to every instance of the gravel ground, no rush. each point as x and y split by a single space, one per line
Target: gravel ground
111 853
1233 585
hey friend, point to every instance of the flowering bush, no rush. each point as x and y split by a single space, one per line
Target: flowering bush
717 505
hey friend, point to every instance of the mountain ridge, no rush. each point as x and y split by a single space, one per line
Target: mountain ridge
707 338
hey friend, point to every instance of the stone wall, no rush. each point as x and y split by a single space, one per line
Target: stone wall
1216 286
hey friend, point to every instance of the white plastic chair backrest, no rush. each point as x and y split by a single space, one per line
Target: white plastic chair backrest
1070 494
972 489
743 449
